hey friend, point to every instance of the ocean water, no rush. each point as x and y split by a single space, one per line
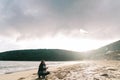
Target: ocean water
7 67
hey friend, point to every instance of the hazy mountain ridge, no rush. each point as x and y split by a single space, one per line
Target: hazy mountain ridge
39 54
109 52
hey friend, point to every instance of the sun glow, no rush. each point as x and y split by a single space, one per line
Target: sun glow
62 42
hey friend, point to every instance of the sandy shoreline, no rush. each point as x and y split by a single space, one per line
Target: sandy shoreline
87 70
28 74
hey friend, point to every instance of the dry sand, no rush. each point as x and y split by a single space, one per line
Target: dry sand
85 70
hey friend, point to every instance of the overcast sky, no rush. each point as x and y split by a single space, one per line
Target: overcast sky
24 21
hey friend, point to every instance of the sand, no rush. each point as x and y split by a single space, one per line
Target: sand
85 70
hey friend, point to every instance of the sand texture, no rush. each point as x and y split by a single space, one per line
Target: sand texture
85 70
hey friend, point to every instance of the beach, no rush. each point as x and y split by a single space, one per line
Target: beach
85 70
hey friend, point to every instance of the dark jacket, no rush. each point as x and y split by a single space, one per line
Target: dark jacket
42 69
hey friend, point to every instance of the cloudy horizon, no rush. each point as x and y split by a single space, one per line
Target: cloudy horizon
62 24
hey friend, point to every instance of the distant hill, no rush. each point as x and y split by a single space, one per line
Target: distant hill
108 52
111 51
39 54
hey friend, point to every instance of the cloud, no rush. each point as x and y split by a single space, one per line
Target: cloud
83 31
23 19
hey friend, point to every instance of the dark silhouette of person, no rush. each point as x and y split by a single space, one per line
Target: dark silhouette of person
42 71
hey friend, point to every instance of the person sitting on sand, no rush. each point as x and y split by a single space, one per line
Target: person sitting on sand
42 71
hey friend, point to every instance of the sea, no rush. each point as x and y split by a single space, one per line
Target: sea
7 67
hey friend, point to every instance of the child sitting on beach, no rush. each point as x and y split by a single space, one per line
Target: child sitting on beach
42 71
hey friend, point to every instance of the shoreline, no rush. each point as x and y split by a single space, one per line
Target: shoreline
7 67
28 74
18 71
89 70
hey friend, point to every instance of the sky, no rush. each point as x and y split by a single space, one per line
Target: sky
77 25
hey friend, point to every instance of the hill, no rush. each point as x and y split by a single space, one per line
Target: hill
111 51
39 54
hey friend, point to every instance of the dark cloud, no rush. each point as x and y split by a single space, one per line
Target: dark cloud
39 18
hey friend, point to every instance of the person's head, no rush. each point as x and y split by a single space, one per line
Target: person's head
43 61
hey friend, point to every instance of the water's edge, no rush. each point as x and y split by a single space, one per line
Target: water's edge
7 67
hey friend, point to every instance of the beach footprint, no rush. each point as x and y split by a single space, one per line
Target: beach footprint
34 74
21 78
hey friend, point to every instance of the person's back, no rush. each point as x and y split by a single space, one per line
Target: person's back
42 70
